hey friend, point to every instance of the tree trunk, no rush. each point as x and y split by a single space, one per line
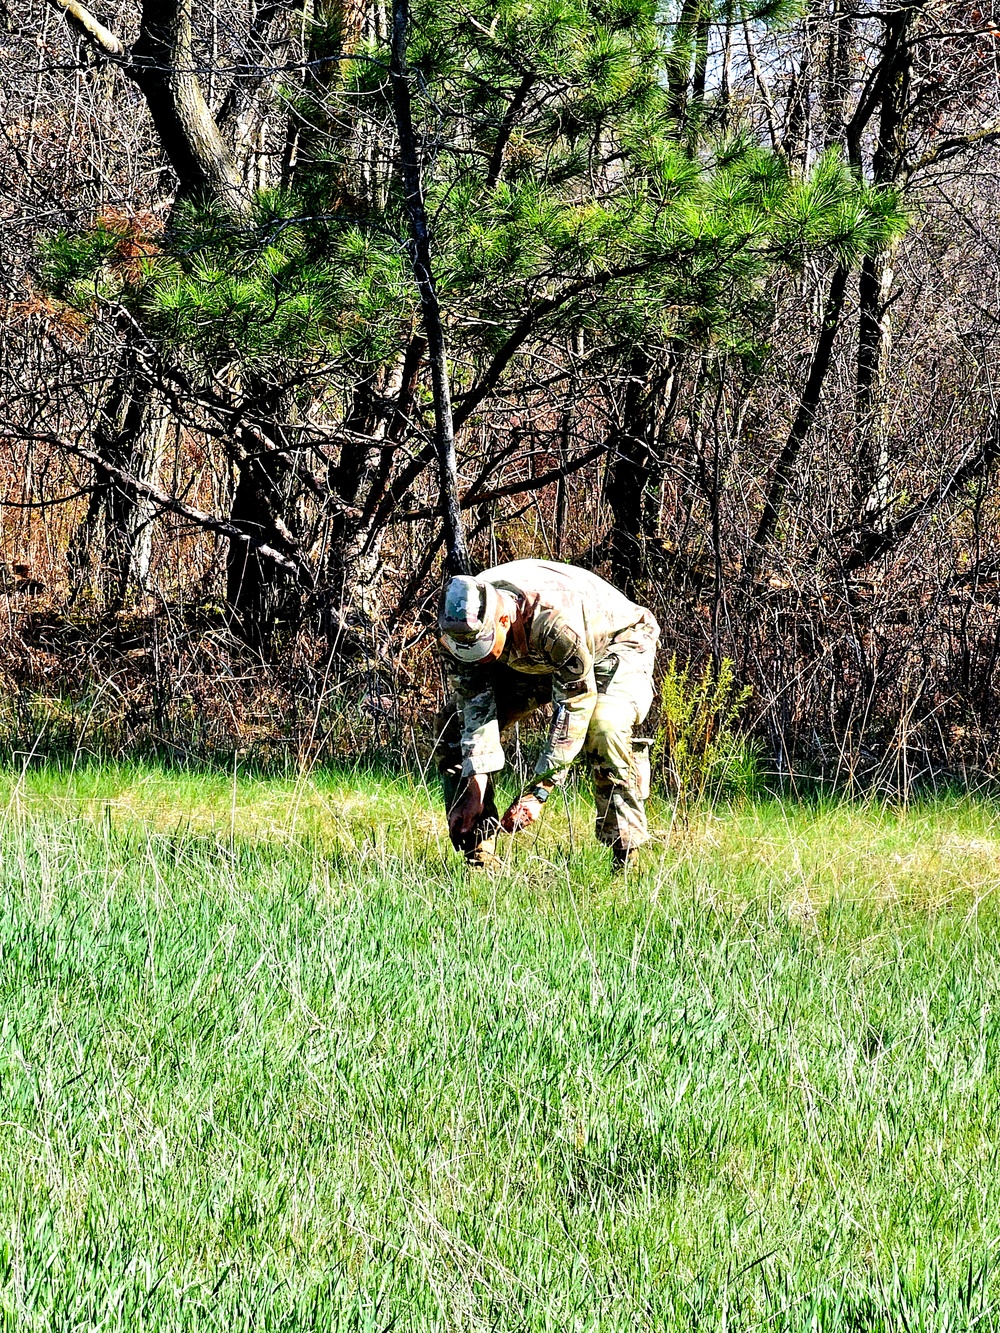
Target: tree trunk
110 547
634 470
336 28
458 559
798 117
628 477
804 417
109 552
679 62
328 160
163 65
264 601
354 545
837 78
872 480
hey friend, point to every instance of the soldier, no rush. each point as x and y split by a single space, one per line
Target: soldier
523 635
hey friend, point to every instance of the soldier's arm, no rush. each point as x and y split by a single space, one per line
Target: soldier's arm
477 706
574 696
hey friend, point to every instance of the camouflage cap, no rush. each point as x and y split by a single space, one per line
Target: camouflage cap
468 618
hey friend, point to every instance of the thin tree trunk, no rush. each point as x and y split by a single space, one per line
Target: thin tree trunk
804 417
837 83
336 28
699 80
872 482
628 477
458 558
680 59
798 121
110 549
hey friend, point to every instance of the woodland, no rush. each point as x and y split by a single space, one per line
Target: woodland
306 302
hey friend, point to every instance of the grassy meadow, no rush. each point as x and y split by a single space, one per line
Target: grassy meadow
273 1060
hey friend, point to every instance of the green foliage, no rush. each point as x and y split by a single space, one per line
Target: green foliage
561 193
279 288
698 749
70 262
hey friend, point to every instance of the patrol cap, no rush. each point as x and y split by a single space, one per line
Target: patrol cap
468 618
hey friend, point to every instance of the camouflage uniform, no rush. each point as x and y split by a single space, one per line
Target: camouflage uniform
583 646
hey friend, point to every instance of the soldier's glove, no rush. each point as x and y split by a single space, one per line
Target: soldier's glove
464 815
525 810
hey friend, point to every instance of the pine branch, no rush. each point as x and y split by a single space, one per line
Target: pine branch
506 129
530 321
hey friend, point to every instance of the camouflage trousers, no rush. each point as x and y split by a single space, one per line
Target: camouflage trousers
620 762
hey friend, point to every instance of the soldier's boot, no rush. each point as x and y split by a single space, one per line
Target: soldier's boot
479 846
623 858
483 856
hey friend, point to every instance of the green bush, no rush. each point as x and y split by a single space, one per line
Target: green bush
699 752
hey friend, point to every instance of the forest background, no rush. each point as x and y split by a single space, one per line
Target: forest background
297 293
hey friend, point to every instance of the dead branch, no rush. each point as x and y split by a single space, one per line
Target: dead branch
171 505
475 497
90 27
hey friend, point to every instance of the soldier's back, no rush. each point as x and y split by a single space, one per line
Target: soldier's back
569 587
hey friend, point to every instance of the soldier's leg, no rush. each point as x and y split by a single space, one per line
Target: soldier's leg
621 765
620 783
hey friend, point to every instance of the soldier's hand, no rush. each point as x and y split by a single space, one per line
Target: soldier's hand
522 814
463 814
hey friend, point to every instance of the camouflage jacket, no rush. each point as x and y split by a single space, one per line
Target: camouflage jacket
571 621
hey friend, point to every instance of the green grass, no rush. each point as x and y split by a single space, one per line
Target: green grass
272 1059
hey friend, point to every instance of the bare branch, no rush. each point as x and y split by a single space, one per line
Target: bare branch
475 497
877 542
92 28
171 505
950 148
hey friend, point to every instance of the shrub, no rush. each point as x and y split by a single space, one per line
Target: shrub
698 750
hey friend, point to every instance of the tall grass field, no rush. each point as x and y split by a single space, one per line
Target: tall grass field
272 1059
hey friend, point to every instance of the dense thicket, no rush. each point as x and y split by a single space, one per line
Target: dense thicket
305 300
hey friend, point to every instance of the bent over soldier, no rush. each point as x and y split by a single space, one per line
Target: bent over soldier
523 635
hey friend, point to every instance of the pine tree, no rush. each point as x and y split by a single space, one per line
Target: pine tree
560 199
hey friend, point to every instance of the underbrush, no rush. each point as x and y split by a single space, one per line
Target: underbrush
273 1060
173 681
169 679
